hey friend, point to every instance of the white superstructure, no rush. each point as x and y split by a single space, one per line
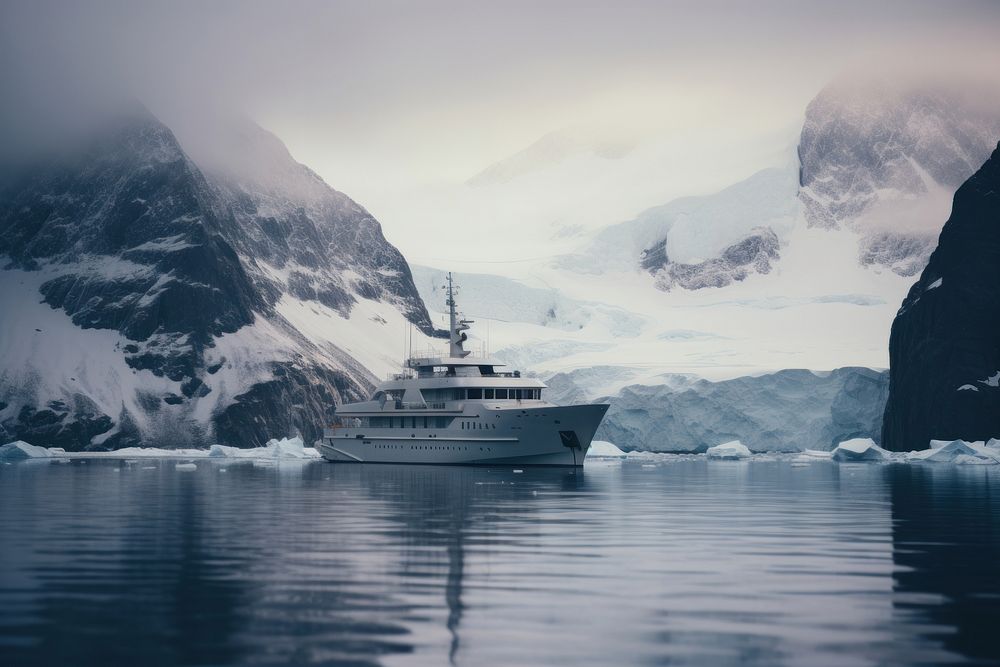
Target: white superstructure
459 409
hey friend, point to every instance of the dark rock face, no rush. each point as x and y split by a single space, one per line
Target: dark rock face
294 397
753 254
785 411
944 350
133 236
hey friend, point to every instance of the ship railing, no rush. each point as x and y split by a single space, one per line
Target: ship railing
441 374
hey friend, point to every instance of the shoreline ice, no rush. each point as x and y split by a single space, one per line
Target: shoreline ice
858 450
286 449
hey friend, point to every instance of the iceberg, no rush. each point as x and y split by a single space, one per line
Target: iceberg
955 451
729 450
284 449
602 449
859 449
19 450
965 459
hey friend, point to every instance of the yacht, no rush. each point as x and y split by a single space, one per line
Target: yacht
462 410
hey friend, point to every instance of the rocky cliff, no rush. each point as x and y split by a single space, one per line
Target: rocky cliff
152 298
944 350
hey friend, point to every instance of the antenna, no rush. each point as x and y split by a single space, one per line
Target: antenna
457 327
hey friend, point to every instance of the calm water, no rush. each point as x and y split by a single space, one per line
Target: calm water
686 562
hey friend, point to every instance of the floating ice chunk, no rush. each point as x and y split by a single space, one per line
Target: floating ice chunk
291 448
934 285
859 449
19 450
142 452
186 466
729 450
814 454
284 449
967 387
965 459
602 449
222 451
948 452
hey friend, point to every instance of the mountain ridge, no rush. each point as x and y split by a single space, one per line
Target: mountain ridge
203 279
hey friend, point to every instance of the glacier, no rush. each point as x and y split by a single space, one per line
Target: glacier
790 410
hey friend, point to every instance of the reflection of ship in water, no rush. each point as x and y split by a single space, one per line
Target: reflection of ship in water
946 546
441 510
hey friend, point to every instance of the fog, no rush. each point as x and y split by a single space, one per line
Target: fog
387 100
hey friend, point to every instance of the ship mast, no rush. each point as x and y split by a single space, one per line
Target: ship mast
456 326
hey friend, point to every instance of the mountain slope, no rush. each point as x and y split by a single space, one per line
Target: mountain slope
180 286
944 350
883 157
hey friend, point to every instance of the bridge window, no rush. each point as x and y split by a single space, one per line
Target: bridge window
488 393
475 393
501 393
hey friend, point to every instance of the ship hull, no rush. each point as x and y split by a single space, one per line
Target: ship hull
539 436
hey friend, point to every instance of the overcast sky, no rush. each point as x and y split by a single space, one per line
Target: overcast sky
382 98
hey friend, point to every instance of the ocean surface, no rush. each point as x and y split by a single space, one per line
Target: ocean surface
679 561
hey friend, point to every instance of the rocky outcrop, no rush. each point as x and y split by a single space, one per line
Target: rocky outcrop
166 284
944 350
755 253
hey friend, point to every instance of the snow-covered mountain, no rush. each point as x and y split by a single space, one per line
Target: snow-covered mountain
798 264
155 297
876 159
674 238
884 157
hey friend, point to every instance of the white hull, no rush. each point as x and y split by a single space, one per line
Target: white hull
546 435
